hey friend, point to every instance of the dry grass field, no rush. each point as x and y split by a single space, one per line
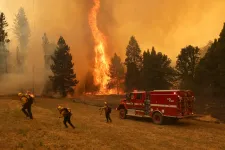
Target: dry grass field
46 131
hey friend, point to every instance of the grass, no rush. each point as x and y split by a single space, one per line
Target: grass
46 131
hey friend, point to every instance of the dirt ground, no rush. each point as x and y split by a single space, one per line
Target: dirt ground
46 131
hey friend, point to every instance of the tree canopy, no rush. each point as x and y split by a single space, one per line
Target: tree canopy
157 72
186 64
22 29
116 73
64 78
133 63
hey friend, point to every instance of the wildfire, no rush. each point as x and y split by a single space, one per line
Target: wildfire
101 67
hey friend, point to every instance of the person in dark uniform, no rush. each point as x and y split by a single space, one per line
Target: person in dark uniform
107 112
66 114
27 101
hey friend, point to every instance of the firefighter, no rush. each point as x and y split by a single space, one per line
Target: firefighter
27 101
66 113
30 96
107 112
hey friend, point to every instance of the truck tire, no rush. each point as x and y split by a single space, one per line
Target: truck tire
157 118
123 114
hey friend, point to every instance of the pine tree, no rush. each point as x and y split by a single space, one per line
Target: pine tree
22 33
133 63
48 50
157 72
186 64
116 73
146 71
22 29
45 44
207 73
220 48
64 78
3 41
210 72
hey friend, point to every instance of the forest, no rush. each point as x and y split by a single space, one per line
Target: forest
200 70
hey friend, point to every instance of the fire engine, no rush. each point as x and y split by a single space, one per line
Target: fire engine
160 105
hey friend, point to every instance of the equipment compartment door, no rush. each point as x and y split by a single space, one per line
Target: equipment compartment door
131 101
139 103
147 104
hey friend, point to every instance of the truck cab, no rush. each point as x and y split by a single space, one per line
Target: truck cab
158 105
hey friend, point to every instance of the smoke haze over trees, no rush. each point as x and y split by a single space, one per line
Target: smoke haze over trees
22 33
167 31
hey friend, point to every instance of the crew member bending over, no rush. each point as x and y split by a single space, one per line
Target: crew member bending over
66 113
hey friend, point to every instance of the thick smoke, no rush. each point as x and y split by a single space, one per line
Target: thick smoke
33 75
167 25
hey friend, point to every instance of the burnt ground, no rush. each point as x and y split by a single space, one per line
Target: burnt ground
46 131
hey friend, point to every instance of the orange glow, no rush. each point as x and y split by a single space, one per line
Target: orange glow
101 67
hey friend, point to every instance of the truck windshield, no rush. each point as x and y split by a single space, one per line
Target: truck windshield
129 96
139 96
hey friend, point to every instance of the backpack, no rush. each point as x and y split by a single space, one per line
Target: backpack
67 111
24 100
30 99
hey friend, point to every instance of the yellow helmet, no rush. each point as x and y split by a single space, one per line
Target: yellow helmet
59 107
31 95
20 94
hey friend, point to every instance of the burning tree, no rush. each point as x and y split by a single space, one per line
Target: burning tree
116 73
64 78
101 65
89 85
3 41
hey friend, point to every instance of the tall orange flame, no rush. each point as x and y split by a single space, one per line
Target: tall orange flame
101 67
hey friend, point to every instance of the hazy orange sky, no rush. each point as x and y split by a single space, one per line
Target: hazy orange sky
168 25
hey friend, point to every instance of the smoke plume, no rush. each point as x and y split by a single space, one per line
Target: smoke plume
167 25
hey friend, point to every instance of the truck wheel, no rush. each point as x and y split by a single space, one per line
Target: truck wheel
157 118
123 113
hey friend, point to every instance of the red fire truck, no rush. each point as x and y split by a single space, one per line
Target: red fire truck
160 105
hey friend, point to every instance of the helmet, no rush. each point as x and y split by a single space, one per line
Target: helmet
20 94
31 95
60 107
28 92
